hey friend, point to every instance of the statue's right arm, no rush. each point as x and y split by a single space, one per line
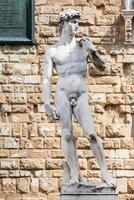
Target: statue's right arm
47 74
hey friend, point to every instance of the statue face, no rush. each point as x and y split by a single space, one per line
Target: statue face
72 26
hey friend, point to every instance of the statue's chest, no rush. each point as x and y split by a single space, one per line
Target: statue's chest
68 54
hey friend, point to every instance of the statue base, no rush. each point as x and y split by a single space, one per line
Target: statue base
87 191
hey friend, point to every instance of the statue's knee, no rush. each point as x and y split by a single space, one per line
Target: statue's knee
67 136
93 138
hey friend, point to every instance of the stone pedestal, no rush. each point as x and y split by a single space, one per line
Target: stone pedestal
84 191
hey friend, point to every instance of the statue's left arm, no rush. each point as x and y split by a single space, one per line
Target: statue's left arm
92 53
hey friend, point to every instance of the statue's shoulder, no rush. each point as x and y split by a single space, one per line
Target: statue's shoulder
52 49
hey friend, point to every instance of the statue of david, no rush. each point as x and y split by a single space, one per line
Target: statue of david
69 58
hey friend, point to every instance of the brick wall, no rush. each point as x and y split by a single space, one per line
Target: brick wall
30 152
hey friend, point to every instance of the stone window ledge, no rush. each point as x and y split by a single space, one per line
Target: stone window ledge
128 16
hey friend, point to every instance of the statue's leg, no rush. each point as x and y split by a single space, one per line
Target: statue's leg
67 141
84 117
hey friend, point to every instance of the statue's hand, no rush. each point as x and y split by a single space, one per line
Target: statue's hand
87 44
51 111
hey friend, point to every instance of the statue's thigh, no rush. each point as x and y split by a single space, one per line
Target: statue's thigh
84 116
64 109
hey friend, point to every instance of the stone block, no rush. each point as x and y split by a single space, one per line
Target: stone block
107 80
34 117
16 98
113 143
23 185
10 164
8 69
83 31
48 31
4 173
5 129
44 19
10 49
111 9
4 153
34 185
48 185
115 99
129 164
14 173
87 19
122 153
105 20
17 129
91 10
32 130
52 143
1 68
125 58
59 153
28 59
100 88
16 79
53 164
80 2
83 164
83 143
36 143
20 118
22 69
7 88
127 143
23 88
101 31
32 164
4 58
2 98
35 69
46 129
11 143
41 108
34 79
63 2
14 58
34 98
97 98
39 153
116 130
8 185
19 108
130 183
19 153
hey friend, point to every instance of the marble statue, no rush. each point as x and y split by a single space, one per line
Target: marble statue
69 58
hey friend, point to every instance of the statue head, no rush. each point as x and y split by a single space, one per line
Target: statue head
69 19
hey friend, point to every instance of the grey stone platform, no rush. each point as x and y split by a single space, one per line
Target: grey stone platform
84 191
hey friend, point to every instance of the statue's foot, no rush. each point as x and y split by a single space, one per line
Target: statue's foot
109 180
74 180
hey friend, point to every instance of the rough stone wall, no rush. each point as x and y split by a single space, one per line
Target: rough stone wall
30 151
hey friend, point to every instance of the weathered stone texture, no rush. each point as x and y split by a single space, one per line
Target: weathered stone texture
30 143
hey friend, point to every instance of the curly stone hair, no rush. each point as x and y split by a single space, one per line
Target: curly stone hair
67 15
